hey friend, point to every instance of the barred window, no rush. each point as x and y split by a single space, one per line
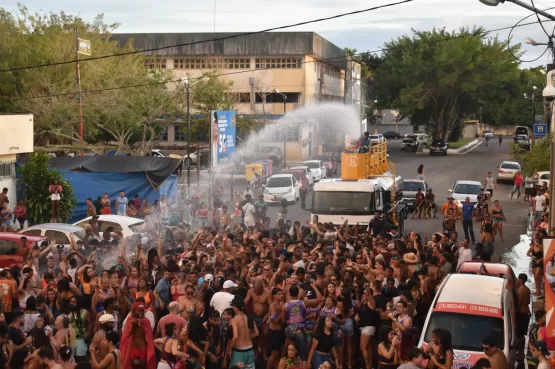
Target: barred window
7 170
212 63
277 63
180 133
155 63
332 71
293 134
241 97
164 136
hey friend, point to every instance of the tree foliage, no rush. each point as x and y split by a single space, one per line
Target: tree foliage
538 158
133 117
439 77
37 177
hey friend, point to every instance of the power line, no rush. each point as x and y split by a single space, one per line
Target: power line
474 34
211 40
517 24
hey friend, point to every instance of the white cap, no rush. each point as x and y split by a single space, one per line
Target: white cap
229 284
106 318
144 240
209 278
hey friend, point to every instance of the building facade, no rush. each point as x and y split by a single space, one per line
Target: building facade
18 131
264 67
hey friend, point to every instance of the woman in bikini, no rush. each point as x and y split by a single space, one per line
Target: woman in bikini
498 217
189 304
536 253
169 347
178 287
144 292
132 283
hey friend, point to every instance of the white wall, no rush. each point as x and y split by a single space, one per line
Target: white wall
17 134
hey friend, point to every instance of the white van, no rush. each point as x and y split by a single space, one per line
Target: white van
473 307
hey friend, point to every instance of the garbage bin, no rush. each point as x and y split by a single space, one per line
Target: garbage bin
253 168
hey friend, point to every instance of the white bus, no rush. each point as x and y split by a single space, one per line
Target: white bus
336 200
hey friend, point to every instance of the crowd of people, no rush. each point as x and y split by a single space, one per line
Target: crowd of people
213 289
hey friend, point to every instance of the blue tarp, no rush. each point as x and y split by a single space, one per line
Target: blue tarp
86 184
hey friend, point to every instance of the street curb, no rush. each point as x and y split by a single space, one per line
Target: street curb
460 151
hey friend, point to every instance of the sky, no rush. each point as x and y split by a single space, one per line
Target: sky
367 31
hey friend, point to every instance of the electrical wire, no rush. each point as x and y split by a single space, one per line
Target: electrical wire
517 24
211 40
539 20
481 34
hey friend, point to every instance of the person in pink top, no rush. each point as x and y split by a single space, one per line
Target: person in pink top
55 190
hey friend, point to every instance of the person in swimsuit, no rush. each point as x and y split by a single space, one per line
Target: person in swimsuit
55 190
536 253
169 347
189 304
498 217
147 294
113 359
388 351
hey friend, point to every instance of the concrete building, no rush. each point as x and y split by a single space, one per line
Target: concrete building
303 66
18 133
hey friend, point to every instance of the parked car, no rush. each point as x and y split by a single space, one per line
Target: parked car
12 251
463 189
329 162
391 135
300 176
488 134
272 153
318 169
376 139
410 189
545 177
523 142
57 232
128 226
439 146
507 170
281 186
308 173
409 144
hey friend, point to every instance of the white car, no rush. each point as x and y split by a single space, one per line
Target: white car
308 172
545 177
281 186
507 170
57 232
317 168
376 139
488 134
463 189
128 226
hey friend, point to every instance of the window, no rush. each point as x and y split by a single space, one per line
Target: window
413 186
164 136
212 63
468 331
276 182
332 71
32 232
472 189
155 63
59 238
277 63
241 97
346 203
510 166
292 134
7 170
110 227
8 247
292 97
180 133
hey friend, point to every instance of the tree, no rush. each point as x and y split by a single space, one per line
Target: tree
37 177
538 158
437 75
119 114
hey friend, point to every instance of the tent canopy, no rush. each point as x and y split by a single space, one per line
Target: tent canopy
157 170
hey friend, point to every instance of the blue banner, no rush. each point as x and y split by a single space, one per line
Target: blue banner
222 135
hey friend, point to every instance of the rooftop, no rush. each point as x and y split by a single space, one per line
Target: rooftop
236 44
461 288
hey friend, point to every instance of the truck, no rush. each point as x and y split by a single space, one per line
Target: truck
368 184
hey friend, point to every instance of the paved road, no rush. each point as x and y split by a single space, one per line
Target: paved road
441 173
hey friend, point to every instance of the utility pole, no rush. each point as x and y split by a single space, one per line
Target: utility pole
188 94
78 70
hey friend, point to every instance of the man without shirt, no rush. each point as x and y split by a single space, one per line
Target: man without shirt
241 348
260 297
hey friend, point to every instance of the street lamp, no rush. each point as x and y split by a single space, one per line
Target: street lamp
519 3
285 134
